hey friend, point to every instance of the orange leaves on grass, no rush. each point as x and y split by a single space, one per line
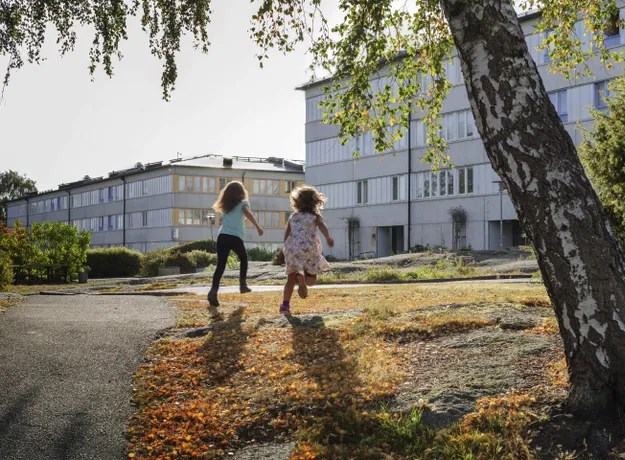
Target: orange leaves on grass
201 398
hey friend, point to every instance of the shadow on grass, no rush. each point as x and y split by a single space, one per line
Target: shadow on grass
224 345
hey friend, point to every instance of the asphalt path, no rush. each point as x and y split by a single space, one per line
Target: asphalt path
66 369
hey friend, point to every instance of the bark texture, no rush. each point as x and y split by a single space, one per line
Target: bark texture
580 260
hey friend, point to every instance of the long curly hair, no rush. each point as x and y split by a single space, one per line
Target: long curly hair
232 194
307 199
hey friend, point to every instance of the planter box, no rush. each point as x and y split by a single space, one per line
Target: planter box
167 271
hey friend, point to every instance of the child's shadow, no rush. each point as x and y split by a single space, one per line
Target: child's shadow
320 352
224 345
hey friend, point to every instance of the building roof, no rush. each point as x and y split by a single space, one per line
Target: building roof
524 16
271 164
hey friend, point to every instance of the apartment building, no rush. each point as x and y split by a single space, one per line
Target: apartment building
160 205
386 202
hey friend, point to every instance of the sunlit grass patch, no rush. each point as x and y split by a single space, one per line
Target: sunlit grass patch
546 326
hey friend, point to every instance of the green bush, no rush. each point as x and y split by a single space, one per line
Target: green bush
199 245
46 243
113 262
154 260
260 254
202 259
151 262
6 272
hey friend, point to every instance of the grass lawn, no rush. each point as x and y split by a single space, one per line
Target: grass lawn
352 374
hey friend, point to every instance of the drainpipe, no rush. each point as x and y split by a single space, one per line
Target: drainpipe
409 171
27 213
124 211
69 207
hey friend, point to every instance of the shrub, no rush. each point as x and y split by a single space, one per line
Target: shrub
6 272
260 254
202 259
278 258
47 243
199 245
381 274
151 262
154 260
113 262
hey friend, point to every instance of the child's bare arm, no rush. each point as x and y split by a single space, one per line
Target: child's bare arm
324 230
288 230
250 217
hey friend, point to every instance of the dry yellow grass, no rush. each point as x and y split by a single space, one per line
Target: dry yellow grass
397 298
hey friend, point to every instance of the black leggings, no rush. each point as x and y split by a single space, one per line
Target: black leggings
226 243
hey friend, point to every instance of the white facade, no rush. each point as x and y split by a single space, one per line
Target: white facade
374 189
167 205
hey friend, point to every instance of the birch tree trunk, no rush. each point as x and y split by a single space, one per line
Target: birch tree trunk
580 260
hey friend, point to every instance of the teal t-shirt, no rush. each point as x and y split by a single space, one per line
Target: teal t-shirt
233 222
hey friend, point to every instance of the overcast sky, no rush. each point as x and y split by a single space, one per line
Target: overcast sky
57 126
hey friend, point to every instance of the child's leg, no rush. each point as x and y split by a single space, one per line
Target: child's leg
289 287
223 249
310 279
239 249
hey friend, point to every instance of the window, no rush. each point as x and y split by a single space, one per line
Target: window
188 217
602 93
52 204
222 183
611 32
181 217
196 184
111 223
395 182
197 219
426 186
181 182
558 99
462 174
434 184
465 180
450 183
101 224
546 57
457 125
275 219
188 184
289 186
211 184
287 216
442 181
144 219
204 184
111 194
362 192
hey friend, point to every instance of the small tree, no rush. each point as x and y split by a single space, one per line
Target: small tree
459 220
603 155
12 186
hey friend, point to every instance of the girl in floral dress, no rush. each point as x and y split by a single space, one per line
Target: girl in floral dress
303 252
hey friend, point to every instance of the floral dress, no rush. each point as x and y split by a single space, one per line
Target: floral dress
302 249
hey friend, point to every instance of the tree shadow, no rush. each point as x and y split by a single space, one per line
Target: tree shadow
224 345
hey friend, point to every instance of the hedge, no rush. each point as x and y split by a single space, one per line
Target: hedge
198 245
260 254
113 262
